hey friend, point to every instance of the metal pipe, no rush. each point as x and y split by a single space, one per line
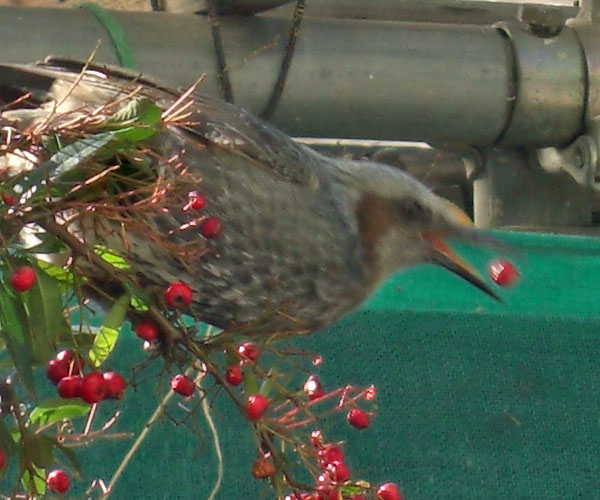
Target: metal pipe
430 11
378 80
241 7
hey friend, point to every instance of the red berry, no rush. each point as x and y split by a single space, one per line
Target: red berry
358 497
249 351
358 418
93 387
178 295
211 227
22 278
503 272
256 405
234 375
73 361
147 331
56 370
328 454
9 198
316 438
388 491
115 385
57 481
339 471
335 494
69 386
181 384
370 393
2 459
195 201
313 388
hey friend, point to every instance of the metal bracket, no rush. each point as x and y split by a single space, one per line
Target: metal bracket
579 159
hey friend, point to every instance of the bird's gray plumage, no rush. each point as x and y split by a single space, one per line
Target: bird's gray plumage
298 248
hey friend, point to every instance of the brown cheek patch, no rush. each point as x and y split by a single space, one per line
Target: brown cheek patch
375 217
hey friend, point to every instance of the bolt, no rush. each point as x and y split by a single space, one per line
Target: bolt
544 22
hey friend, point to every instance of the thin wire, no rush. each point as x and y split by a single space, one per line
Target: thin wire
287 61
215 29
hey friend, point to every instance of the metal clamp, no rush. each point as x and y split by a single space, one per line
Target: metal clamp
579 159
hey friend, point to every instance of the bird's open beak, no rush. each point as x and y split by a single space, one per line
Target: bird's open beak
446 257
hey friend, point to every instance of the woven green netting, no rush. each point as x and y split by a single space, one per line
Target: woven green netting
477 400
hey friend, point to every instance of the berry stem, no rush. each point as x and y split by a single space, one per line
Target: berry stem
90 419
287 418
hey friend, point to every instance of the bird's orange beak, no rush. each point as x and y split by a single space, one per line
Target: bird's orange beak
446 257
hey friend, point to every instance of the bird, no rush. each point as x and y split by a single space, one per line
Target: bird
305 238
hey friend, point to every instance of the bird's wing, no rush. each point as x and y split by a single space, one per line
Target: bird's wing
212 121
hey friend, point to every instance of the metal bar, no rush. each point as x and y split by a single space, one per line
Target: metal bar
513 190
376 80
430 11
241 7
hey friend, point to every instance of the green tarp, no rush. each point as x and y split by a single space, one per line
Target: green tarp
476 400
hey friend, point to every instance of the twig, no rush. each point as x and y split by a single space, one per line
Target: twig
45 123
138 441
218 451
78 247
88 423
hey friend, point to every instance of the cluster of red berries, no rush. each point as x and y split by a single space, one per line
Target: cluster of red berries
314 390
178 295
335 472
65 371
211 227
256 404
248 352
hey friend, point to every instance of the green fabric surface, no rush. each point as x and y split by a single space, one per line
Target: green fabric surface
476 399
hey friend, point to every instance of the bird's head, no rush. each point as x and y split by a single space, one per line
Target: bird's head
402 223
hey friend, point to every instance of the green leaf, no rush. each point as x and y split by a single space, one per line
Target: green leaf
349 490
135 122
250 384
46 319
15 332
7 443
40 449
139 298
71 456
34 483
59 273
57 409
131 135
138 110
66 159
111 257
266 387
138 304
106 338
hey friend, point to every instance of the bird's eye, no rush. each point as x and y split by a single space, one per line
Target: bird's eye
412 210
